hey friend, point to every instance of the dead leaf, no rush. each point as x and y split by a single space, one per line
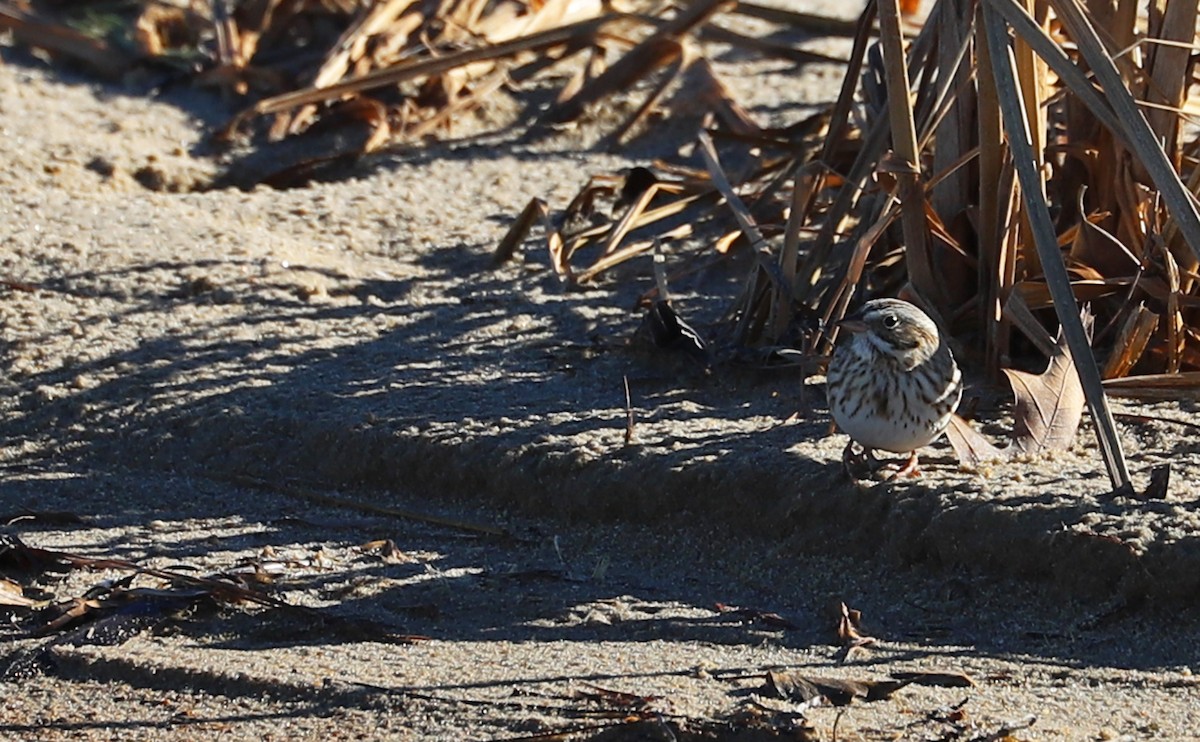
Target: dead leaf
11 594
849 629
1049 405
970 446
792 686
850 632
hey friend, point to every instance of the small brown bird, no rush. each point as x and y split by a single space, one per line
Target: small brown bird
894 384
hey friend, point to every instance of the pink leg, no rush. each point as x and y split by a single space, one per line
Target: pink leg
910 469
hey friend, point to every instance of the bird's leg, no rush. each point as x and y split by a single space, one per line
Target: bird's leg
910 469
852 459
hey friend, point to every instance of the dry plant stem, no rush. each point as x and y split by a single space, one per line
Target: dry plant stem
991 169
653 51
507 248
808 180
1175 324
535 42
1157 387
629 432
313 495
949 94
446 116
617 257
354 40
1131 342
904 143
225 30
80 561
779 295
1059 283
625 224
883 212
952 113
678 58
954 76
1018 314
1171 234
1030 73
721 182
644 218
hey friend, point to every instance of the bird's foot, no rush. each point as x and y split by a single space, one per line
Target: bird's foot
861 464
911 468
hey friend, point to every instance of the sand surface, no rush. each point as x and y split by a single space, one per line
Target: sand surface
190 372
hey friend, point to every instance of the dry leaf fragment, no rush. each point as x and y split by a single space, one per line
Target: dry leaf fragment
770 618
66 613
387 550
1139 326
616 698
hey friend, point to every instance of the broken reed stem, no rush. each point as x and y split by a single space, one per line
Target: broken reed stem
904 145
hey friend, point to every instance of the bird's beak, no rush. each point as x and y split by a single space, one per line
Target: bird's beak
850 324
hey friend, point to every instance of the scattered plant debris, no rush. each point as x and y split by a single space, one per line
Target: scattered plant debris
767 618
849 631
113 611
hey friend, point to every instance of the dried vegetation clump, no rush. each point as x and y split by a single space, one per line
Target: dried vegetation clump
1001 163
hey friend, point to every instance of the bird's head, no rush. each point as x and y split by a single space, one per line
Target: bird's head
896 329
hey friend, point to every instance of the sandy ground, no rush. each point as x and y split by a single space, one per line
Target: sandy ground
190 372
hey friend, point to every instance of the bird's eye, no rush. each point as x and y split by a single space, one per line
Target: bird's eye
890 321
